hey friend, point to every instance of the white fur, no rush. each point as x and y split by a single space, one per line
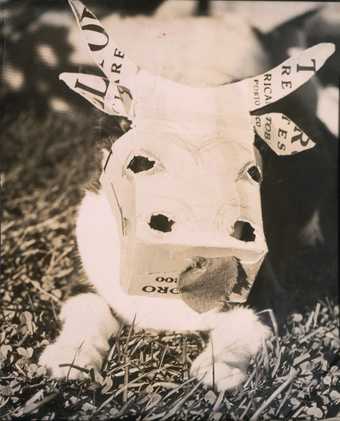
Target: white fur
88 325
236 335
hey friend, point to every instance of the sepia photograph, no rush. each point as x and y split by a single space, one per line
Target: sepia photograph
169 210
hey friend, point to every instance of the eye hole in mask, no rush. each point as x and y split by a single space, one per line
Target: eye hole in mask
161 223
254 173
140 163
243 231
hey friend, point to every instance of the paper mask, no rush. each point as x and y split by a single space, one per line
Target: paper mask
183 183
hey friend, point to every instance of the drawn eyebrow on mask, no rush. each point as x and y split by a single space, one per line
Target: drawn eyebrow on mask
107 160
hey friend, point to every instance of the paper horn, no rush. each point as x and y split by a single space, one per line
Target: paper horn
98 90
106 54
281 134
285 78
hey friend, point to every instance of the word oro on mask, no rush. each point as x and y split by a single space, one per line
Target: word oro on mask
189 229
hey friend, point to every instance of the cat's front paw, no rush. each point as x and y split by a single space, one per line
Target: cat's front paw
62 359
236 336
216 373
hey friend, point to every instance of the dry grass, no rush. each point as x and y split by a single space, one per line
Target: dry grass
145 375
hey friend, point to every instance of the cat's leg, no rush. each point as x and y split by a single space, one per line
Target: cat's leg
235 337
87 326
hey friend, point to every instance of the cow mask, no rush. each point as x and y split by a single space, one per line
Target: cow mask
183 182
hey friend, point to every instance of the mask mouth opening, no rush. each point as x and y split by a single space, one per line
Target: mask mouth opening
209 282
243 231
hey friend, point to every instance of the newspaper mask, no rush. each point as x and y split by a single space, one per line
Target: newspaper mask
183 182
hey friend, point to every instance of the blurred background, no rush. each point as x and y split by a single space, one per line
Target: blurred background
39 40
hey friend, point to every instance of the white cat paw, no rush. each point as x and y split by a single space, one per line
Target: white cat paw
59 358
236 336
216 373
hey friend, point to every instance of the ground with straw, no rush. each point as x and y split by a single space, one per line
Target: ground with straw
146 374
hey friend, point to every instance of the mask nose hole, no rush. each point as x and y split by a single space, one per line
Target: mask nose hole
161 223
243 231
